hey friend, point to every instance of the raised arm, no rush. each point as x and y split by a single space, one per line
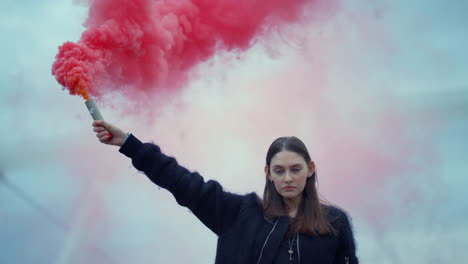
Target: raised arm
216 208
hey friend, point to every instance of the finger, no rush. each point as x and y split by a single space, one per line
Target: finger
97 123
104 138
104 133
105 125
100 136
99 129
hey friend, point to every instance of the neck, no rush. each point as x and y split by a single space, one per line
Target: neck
292 205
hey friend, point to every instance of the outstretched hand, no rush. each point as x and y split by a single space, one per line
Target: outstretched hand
108 133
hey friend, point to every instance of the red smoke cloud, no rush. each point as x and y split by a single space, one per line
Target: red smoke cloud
144 45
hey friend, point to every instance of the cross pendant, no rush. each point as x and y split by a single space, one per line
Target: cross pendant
290 254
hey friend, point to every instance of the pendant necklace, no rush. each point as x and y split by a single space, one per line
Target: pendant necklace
290 251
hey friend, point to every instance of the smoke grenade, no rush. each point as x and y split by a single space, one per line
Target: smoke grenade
93 109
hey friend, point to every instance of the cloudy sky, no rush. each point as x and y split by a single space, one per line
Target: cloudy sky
377 91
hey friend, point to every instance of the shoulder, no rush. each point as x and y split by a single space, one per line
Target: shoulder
337 216
251 203
341 222
333 210
252 200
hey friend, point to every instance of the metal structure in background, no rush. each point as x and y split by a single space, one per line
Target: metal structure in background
44 212
31 202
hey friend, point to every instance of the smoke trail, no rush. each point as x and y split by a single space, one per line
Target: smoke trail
144 45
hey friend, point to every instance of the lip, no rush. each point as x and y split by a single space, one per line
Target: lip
289 188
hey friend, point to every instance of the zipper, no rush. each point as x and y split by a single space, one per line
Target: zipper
261 252
347 260
298 252
268 220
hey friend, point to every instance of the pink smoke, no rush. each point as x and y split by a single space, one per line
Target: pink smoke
146 45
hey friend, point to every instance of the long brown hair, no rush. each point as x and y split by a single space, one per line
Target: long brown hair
311 215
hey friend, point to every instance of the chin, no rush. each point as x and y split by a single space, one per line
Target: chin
289 195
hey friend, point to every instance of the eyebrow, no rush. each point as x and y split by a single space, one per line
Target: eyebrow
280 166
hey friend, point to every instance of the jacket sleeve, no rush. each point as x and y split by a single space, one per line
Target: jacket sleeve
346 252
216 208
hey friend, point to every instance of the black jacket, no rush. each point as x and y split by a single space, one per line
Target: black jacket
244 234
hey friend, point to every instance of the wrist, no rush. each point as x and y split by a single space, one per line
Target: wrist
127 135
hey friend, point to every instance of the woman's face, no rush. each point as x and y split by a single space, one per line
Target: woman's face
289 172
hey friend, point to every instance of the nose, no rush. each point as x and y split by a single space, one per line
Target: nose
287 178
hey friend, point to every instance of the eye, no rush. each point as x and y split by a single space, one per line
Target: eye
278 171
296 169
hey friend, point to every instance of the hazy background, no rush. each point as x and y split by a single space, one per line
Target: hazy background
377 91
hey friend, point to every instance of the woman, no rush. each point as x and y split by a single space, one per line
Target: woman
290 224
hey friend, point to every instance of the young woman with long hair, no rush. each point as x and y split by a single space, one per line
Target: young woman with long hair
289 225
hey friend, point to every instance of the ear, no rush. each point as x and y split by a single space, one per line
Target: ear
267 172
311 167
